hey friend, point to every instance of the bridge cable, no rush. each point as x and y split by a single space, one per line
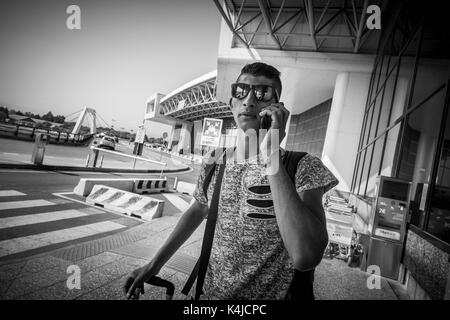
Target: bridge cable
72 113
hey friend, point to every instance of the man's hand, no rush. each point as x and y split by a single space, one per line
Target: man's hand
279 115
134 284
270 150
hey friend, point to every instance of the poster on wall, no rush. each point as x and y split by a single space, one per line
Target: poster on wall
212 129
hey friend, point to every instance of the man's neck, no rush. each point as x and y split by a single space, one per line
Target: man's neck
248 148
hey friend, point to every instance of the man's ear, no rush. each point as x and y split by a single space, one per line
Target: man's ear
231 106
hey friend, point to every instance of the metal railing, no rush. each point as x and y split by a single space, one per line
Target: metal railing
29 133
97 150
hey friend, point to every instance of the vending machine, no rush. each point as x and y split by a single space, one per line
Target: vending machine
387 225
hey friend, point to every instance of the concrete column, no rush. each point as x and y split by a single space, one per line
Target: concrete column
93 123
391 142
344 125
172 132
336 110
185 138
425 150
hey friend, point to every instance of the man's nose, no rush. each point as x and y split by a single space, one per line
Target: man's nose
250 100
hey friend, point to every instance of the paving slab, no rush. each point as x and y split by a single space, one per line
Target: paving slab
97 261
58 291
334 280
116 269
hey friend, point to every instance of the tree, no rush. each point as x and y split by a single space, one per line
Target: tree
3 115
4 110
48 116
59 119
16 112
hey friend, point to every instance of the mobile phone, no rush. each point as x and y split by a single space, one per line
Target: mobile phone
266 121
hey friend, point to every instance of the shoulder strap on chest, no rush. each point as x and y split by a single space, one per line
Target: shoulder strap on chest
211 168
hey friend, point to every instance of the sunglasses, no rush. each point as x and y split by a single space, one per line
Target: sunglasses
261 92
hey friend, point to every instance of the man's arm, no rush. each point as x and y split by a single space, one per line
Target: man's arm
187 224
301 220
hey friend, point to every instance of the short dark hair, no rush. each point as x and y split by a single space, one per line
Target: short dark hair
262 69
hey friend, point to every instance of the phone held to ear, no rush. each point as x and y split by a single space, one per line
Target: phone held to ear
266 121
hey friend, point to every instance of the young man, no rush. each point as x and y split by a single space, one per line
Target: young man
267 227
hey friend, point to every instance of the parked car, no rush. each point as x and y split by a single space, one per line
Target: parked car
107 143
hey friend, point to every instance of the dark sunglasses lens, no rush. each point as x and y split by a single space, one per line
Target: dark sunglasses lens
263 93
240 91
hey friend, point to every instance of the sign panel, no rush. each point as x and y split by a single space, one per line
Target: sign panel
387 234
212 129
140 134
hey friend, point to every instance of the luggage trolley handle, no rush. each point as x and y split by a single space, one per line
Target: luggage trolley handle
159 282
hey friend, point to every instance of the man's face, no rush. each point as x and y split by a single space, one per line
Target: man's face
246 111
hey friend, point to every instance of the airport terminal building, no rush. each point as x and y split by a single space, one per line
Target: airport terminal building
368 102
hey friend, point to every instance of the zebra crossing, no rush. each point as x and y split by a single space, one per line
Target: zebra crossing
35 223
29 226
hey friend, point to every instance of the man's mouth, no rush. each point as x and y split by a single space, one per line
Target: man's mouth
247 116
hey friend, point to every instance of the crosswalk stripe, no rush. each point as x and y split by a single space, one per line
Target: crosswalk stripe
39 218
24 204
9 193
12 246
179 203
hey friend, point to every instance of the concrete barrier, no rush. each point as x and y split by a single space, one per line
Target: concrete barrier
85 185
185 187
126 202
151 185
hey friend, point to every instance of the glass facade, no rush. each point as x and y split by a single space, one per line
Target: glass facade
405 130
307 130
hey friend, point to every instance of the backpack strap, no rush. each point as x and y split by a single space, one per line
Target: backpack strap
200 267
209 233
211 168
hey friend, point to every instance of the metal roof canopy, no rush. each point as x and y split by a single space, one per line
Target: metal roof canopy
301 25
195 100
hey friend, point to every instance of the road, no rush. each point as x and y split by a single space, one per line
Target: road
39 212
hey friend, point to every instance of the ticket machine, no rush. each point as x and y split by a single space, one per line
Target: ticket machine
387 225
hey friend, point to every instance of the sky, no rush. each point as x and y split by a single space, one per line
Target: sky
125 51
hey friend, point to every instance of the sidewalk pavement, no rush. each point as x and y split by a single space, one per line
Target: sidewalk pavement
106 262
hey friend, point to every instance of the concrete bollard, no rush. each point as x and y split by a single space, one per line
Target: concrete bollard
37 157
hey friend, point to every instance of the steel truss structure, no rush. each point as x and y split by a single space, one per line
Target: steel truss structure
301 25
195 103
